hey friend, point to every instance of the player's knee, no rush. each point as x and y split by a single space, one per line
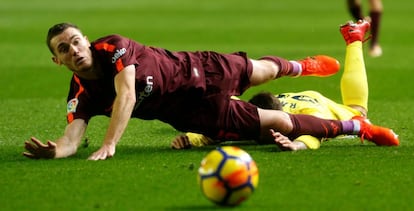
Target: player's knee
263 71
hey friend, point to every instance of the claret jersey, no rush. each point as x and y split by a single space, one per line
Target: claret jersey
170 86
158 72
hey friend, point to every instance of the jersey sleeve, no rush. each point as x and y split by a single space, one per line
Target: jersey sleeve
77 102
117 51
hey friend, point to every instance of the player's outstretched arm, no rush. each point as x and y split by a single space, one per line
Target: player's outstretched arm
65 146
121 112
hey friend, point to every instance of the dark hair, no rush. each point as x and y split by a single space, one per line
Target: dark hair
266 100
56 30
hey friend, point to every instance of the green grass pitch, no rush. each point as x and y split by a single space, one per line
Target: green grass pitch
145 173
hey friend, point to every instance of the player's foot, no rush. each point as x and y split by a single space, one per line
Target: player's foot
381 136
375 51
355 31
319 65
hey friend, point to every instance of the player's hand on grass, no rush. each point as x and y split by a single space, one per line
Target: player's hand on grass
181 142
106 151
283 142
36 149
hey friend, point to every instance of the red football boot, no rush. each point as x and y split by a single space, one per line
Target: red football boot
381 136
355 31
319 65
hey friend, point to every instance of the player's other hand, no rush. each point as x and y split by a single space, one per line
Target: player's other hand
181 142
37 150
282 141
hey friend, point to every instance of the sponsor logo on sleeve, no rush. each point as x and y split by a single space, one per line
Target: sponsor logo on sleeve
118 54
72 105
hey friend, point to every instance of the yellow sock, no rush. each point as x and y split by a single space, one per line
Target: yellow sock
354 83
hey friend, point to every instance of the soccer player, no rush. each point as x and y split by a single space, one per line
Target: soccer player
354 91
375 13
121 78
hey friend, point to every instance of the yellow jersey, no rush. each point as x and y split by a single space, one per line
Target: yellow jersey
315 104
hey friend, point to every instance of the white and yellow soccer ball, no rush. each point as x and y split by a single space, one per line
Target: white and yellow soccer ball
228 176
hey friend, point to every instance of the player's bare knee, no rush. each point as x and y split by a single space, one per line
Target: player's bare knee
263 71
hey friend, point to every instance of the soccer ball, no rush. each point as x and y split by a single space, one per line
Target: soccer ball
228 176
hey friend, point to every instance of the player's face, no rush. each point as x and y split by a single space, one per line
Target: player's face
71 49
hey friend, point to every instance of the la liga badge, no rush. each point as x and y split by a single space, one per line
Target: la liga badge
72 105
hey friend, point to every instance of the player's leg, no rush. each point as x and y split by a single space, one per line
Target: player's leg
354 83
355 8
375 13
245 72
272 67
293 126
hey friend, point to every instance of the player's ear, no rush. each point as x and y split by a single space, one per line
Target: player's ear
56 60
